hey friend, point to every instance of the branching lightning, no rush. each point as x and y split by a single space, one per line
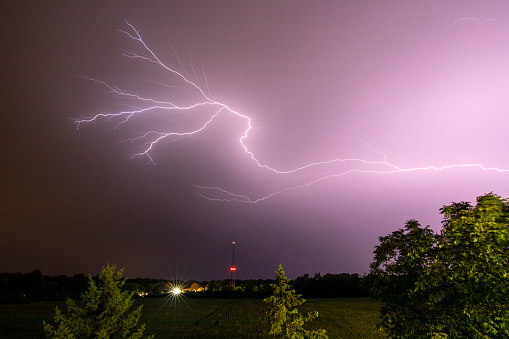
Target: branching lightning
149 139
490 20
472 19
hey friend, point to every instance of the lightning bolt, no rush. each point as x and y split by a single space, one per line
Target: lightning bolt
203 102
474 19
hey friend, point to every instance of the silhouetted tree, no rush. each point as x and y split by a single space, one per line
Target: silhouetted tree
213 286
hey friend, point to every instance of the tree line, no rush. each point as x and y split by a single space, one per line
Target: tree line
35 286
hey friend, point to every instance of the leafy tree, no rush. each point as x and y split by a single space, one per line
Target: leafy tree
213 286
285 319
104 312
452 284
400 260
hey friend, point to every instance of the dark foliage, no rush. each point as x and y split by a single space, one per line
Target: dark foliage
341 285
34 286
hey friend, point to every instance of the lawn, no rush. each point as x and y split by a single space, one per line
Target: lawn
208 318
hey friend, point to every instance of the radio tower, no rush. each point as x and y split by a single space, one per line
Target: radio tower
233 268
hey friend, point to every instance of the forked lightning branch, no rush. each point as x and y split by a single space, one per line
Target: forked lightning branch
204 103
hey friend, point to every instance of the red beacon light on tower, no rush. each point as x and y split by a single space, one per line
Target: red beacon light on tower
233 268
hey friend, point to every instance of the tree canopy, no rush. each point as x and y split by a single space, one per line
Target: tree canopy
448 284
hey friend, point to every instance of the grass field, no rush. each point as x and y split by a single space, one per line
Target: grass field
208 318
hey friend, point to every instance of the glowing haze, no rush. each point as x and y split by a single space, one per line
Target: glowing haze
301 131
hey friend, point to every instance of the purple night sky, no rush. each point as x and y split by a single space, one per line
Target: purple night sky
397 84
